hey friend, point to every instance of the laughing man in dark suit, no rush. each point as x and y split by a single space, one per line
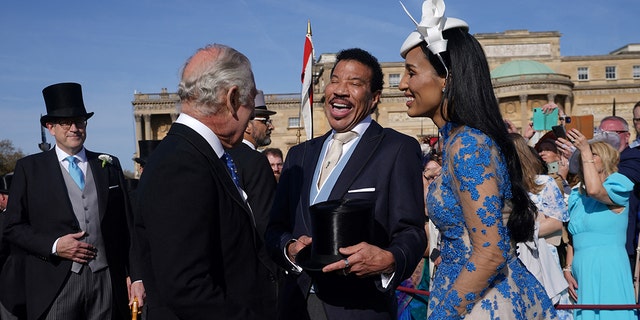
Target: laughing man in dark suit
380 165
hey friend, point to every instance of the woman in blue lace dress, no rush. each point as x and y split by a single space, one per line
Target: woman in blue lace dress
478 202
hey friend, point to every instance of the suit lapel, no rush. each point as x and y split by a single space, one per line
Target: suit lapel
365 149
312 151
101 179
55 178
218 167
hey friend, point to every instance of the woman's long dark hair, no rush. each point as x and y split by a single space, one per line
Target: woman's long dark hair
471 102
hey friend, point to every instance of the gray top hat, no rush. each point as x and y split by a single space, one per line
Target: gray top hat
5 183
63 100
261 106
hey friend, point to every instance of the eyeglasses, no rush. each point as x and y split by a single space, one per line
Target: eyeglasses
65 124
619 131
263 120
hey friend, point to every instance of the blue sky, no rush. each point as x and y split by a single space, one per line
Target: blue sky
114 48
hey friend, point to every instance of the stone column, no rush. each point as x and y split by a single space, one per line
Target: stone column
568 102
138 119
524 113
147 127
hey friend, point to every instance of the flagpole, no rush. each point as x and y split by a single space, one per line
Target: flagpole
614 107
306 95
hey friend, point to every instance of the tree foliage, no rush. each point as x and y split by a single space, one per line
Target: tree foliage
8 156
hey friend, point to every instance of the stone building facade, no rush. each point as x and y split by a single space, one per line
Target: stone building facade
528 71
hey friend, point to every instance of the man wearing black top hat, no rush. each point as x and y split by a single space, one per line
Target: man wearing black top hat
377 168
69 220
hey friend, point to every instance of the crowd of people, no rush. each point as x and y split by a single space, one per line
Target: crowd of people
493 222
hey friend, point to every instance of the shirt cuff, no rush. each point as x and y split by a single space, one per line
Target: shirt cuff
386 279
53 249
286 256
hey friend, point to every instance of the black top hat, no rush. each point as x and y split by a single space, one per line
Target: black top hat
63 100
132 184
5 183
146 148
336 224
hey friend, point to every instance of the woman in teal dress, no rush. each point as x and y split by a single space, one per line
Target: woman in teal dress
598 268
478 202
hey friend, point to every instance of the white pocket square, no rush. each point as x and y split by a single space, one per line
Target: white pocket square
113 187
362 190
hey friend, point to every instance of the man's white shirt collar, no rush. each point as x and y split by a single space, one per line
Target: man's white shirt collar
247 142
82 155
202 130
360 128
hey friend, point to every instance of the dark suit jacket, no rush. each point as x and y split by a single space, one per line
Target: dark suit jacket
197 236
385 160
257 180
40 212
629 166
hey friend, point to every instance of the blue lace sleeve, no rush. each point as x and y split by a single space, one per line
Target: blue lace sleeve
480 184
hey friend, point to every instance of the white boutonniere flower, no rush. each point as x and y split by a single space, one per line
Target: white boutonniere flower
105 159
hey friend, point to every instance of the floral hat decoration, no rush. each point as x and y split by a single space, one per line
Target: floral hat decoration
430 29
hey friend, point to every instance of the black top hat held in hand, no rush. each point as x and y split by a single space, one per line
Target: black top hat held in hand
146 148
63 100
336 224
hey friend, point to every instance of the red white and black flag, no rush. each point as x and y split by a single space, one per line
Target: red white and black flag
306 101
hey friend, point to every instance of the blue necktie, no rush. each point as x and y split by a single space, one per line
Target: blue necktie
75 172
232 168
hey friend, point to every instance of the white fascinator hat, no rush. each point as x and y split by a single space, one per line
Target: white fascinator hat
430 28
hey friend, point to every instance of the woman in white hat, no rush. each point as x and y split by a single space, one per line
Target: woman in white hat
478 202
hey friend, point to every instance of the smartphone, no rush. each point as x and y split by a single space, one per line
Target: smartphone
542 121
559 132
552 167
584 124
435 253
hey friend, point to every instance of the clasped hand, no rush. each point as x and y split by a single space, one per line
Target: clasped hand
70 247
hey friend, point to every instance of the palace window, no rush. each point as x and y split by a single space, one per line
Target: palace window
583 73
610 72
394 80
294 122
636 72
